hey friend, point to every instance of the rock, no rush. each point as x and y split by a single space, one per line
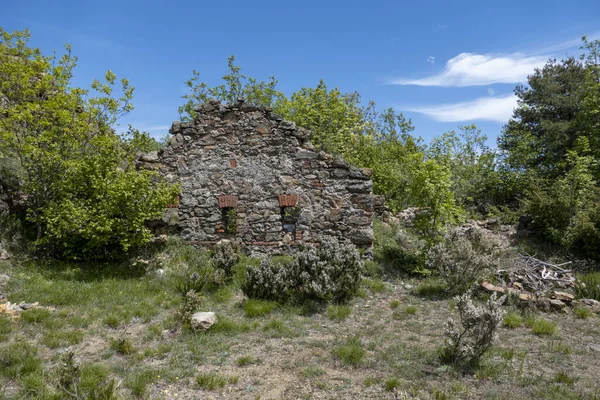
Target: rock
492 288
4 255
202 321
526 297
28 306
563 296
4 279
590 302
151 157
557 304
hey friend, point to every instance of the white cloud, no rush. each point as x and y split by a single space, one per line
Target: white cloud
431 60
498 109
468 69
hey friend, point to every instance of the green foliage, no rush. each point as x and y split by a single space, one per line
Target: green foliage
566 210
18 359
225 254
141 142
231 220
542 326
588 286
583 312
236 85
338 312
212 381
463 258
191 303
123 346
351 352
513 320
258 308
84 196
331 272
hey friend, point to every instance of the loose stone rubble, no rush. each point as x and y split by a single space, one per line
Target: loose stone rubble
248 159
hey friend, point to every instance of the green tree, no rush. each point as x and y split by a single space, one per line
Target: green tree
236 85
83 195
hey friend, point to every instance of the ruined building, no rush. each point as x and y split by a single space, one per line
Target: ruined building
246 173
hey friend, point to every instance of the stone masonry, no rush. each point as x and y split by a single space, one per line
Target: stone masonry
243 163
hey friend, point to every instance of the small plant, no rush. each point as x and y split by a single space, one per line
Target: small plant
338 312
35 315
83 383
411 310
230 220
564 378
123 346
394 304
432 289
138 382
583 312
246 360
392 384
478 330
351 352
18 359
258 308
513 320
191 302
543 327
462 260
194 281
313 371
212 381
225 254
588 286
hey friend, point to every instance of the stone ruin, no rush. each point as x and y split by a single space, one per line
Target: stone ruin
247 174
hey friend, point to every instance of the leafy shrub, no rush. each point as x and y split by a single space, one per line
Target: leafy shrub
225 254
462 260
589 286
465 344
191 303
333 271
330 272
267 281
89 383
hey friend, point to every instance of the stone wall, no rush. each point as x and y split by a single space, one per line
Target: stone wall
244 157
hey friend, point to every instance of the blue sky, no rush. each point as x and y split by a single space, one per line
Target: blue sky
441 63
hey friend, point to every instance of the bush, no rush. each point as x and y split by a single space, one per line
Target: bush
465 344
191 303
589 286
462 260
397 250
267 281
330 272
225 254
333 271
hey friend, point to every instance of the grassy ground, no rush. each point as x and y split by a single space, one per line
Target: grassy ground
121 324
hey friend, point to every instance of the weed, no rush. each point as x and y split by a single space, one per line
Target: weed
139 381
589 286
432 289
583 312
5 328
278 328
258 308
392 384
338 312
246 360
229 326
375 285
560 347
513 320
313 371
17 359
564 378
35 315
122 345
212 381
113 320
394 304
56 339
351 352
411 310
543 327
